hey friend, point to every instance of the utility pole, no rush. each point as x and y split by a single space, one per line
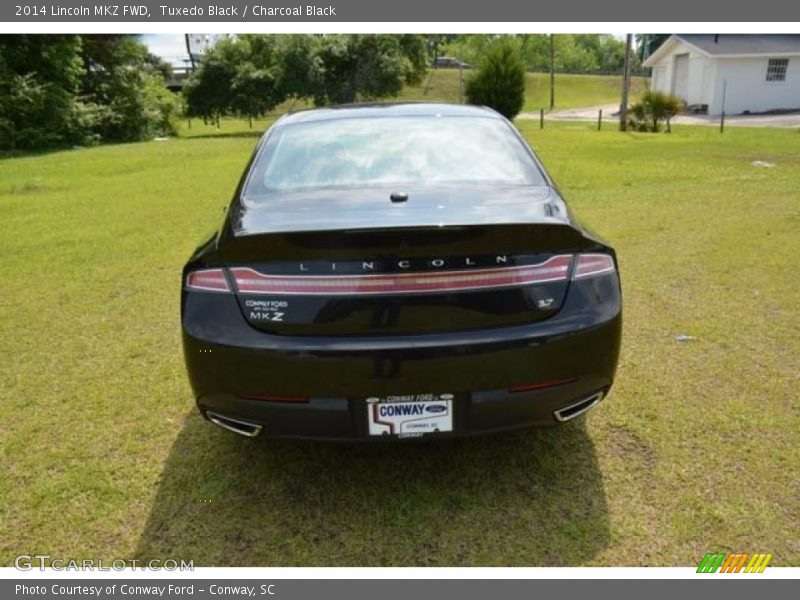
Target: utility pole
189 51
552 73
626 84
461 72
722 116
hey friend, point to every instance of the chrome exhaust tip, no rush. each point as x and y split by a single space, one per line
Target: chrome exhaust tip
578 408
244 428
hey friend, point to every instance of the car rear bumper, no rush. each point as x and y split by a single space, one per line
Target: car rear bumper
329 379
345 419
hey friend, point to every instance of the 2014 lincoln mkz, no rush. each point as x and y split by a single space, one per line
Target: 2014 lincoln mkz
397 271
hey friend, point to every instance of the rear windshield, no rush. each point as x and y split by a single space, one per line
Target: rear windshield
391 150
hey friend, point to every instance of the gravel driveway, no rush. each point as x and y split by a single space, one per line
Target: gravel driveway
589 113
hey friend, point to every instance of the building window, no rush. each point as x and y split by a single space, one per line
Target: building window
776 69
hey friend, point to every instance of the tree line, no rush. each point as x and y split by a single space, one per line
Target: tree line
249 75
58 90
573 53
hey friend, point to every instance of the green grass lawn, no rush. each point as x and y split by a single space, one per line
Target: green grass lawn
696 448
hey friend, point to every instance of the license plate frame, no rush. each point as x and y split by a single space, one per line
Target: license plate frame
410 415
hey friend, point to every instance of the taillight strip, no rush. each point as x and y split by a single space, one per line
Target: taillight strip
249 281
208 280
593 264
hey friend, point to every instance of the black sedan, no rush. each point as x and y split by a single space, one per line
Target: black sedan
398 271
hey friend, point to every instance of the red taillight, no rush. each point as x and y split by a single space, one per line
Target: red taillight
249 281
274 398
208 280
539 386
593 264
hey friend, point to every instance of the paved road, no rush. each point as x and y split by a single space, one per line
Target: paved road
589 113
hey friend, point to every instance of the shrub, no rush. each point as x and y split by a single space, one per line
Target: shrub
653 109
39 82
499 82
124 87
57 90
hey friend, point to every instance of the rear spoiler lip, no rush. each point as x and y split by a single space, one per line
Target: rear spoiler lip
452 206
422 224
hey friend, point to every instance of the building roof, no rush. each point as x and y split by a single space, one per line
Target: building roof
720 45
732 45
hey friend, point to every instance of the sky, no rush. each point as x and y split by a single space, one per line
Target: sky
169 46
172 46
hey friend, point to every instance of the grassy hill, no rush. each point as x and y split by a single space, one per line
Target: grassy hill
572 91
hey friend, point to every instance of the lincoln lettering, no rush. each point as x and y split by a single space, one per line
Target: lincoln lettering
434 263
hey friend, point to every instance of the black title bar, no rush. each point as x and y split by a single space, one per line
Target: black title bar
496 11
734 587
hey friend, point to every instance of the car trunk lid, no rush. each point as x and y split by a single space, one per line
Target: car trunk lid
369 268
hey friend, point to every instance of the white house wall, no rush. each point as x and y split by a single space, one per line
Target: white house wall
709 82
659 80
663 72
748 89
700 71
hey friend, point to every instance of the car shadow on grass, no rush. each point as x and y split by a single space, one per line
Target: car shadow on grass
528 498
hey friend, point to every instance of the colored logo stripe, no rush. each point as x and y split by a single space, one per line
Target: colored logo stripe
711 562
758 563
734 563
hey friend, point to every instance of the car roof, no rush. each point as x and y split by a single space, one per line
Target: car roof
394 109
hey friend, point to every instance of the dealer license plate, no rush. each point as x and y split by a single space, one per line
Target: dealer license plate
413 415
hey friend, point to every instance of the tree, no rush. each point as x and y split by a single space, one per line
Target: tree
70 89
573 56
608 52
414 49
578 53
499 81
208 90
366 67
438 42
297 63
647 43
251 74
124 86
469 47
239 75
255 88
40 77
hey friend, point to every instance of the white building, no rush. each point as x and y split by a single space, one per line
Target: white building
734 73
